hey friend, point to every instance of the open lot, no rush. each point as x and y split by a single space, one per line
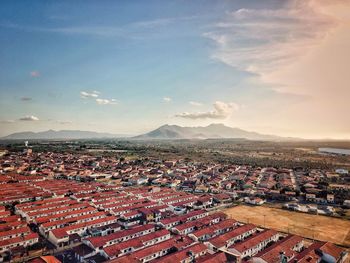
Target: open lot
310 226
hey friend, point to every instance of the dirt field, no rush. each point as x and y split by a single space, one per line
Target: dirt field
306 225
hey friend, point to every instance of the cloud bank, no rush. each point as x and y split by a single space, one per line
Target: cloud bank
106 101
29 118
95 95
221 110
300 49
261 41
86 95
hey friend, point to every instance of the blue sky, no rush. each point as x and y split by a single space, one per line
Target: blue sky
130 66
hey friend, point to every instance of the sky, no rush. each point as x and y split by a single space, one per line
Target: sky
126 67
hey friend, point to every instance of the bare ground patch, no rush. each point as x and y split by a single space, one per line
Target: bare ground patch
310 226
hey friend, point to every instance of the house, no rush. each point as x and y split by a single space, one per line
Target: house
187 255
150 214
219 257
346 203
135 244
130 219
61 237
81 252
138 180
194 215
186 228
170 164
201 189
45 227
203 202
156 251
187 186
169 223
254 201
214 230
45 259
290 195
229 238
222 198
13 233
98 243
149 253
330 198
321 250
310 197
104 229
254 244
24 241
289 246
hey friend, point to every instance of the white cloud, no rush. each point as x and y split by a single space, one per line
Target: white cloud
131 30
106 101
35 74
221 110
167 99
195 103
95 95
29 118
262 41
301 49
86 95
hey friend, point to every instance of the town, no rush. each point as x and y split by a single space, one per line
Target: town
83 207
172 131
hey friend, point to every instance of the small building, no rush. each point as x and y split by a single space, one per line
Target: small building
330 198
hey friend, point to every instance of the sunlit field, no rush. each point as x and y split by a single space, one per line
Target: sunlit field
310 226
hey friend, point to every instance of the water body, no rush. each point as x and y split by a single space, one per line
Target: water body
107 150
334 151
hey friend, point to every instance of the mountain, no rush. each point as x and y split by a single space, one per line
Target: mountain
213 131
165 132
62 134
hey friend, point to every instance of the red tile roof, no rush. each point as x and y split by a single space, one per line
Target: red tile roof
272 253
221 240
195 250
254 240
102 241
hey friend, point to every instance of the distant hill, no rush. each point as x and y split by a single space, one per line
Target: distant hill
165 132
62 134
213 131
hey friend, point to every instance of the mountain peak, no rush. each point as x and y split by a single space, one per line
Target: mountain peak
212 131
169 126
165 126
217 125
